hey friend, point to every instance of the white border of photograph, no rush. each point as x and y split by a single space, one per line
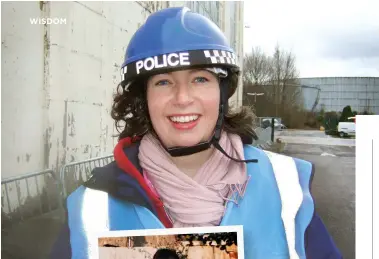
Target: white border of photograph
94 251
367 176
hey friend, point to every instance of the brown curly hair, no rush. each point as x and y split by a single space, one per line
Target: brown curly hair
130 112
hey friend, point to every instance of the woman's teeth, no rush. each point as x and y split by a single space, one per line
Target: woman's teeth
184 119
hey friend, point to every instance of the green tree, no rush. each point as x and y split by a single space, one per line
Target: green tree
346 113
320 116
330 123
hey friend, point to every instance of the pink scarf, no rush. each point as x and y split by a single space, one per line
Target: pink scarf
197 201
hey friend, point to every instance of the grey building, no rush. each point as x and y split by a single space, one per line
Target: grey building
334 93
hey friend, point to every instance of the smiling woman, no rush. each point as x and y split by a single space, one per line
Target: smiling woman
183 106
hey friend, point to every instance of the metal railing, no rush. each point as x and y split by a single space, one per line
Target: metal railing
39 196
265 131
38 193
264 137
72 175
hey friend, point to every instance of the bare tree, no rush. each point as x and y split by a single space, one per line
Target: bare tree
257 67
277 77
256 72
284 79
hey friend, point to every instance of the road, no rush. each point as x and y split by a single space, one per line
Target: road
333 185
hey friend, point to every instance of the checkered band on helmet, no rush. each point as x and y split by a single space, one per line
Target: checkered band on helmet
220 56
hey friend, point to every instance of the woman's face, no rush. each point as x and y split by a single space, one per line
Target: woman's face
183 106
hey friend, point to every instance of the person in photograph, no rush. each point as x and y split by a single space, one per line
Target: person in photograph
185 157
165 253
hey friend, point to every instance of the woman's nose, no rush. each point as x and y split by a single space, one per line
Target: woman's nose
183 95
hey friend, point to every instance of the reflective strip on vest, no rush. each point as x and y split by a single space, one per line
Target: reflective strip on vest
95 216
291 195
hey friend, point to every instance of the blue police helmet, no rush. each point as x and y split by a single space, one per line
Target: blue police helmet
176 38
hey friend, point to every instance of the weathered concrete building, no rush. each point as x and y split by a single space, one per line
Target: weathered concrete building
59 75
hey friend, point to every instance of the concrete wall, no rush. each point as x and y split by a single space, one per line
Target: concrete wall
360 93
23 112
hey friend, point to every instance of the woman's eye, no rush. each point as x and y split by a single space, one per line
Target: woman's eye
200 79
162 82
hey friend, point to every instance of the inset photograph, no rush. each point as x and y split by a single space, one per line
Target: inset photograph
186 243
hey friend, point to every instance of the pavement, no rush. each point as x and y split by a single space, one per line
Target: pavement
33 238
333 185
313 137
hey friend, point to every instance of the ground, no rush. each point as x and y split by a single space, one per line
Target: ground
334 181
33 238
333 189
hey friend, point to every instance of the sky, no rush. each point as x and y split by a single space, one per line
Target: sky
327 38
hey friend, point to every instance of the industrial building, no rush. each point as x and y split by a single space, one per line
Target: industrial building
58 80
334 93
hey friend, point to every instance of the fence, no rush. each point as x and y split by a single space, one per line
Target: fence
264 131
74 174
264 138
39 193
33 196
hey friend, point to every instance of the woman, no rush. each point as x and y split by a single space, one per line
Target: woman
183 157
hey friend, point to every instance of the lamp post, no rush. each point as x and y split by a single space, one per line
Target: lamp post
255 95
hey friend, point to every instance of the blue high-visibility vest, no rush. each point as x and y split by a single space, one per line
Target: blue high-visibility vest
275 211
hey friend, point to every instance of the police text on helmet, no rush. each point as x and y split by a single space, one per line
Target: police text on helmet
171 60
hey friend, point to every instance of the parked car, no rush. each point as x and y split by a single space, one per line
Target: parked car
277 125
346 129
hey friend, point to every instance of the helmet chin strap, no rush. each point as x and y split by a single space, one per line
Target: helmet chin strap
185 151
